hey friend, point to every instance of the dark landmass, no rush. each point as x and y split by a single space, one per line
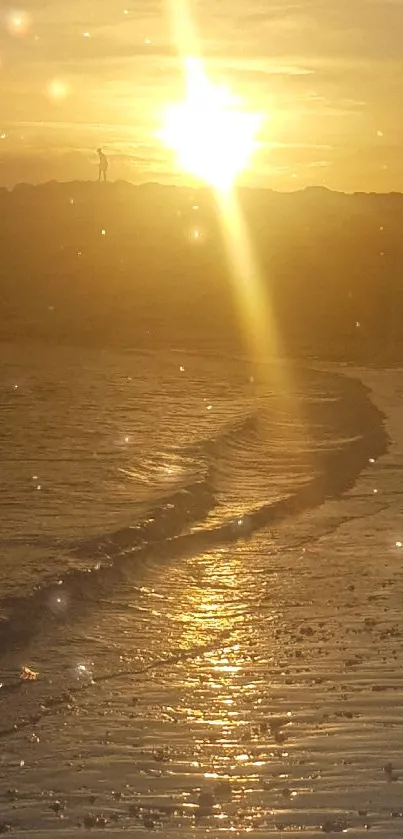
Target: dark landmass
331 266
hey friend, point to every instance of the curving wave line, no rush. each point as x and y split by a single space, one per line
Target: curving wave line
168 527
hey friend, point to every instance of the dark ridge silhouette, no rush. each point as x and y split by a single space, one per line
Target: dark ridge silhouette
118 264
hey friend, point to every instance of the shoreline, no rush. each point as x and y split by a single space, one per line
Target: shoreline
339 471
262 691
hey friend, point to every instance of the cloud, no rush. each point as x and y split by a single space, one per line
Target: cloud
325 73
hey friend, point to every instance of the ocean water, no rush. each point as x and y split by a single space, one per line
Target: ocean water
198 562
106 454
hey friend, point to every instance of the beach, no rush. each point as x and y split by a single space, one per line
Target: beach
225 684
201 420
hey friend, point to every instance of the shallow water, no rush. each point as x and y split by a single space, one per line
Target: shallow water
251 687
90 440
105 453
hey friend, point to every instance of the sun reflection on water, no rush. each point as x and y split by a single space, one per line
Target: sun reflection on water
214 618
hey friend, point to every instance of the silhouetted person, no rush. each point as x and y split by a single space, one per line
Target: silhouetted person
103 165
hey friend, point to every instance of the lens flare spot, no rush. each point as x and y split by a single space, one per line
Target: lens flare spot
58 90
18 23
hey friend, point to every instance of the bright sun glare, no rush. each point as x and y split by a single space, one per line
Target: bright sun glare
213 139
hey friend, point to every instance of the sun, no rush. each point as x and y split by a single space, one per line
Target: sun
212 138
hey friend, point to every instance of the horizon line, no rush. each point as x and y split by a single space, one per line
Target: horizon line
190 188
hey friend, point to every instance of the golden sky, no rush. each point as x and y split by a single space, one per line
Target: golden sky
327 76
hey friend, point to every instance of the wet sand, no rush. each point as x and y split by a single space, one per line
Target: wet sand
254 689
